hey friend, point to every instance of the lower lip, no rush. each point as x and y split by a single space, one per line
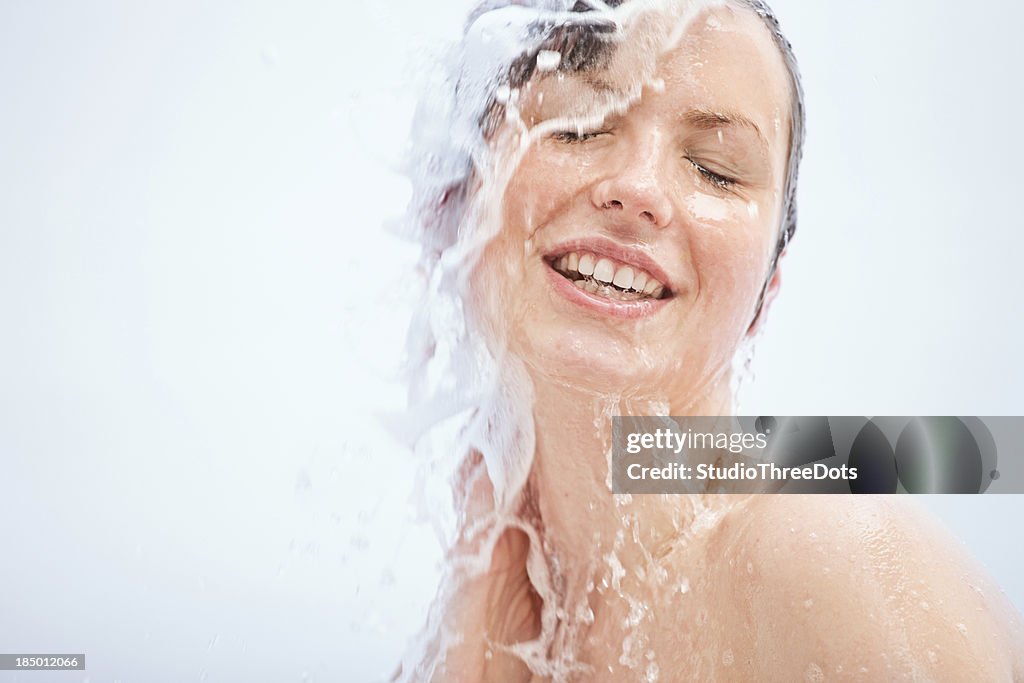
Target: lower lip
619 309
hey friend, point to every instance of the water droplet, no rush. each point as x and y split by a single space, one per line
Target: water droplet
925 606
548 60
750 567
813 535
814 674
684 586
618 571
728 658
962 628
588 616
808 603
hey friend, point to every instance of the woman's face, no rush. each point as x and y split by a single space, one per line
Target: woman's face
633 248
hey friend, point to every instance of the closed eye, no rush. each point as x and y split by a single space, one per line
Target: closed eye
573 136
716 179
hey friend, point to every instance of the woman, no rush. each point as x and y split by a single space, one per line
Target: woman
608 241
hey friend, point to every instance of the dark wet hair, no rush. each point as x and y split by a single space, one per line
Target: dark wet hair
797 124
586 45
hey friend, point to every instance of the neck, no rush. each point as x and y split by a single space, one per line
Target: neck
570 481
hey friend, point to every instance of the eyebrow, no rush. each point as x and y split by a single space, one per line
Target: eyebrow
704 119
597 83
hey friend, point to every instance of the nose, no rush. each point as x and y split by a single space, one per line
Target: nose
635 187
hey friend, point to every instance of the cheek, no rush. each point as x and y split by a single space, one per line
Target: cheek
731 246
544 185
537 192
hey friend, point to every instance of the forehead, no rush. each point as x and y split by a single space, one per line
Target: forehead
722 59
725 60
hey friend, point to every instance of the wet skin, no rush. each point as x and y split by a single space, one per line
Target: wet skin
781 588
688 180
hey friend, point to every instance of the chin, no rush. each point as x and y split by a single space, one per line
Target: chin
593 361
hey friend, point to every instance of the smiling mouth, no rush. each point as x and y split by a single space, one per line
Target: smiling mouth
608 278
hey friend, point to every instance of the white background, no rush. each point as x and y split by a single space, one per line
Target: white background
201 314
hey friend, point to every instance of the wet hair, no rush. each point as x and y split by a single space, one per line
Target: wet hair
797 123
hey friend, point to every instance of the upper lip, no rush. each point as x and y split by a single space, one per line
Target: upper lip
624 254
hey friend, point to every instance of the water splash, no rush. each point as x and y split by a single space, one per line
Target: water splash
470 421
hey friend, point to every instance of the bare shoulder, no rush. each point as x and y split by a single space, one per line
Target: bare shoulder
865 587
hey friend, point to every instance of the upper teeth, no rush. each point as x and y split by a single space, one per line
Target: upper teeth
609 272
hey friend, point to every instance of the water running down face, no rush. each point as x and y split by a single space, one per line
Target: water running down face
640 219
